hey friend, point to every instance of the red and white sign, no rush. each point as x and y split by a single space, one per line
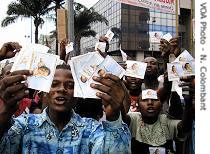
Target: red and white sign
168 6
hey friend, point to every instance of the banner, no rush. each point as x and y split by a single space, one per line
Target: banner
167 6
61 24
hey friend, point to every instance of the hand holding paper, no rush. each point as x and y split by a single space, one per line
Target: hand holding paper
175 49
111 91
167 37
135 69
185 56
88 65
100 46
8 50
124 55
164 48
42 64
109 35
69 47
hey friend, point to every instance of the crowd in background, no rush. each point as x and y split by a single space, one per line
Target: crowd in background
123 120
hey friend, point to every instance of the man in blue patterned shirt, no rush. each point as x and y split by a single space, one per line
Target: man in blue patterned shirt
59 129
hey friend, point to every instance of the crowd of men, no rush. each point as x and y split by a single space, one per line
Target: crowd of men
139 116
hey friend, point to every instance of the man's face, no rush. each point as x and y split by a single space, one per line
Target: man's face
133 83
149 107
152 66
61 93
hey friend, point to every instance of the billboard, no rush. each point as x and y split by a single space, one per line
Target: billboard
167 6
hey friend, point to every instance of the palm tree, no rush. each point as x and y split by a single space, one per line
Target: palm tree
28 8
83 18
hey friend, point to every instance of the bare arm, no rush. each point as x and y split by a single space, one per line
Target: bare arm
165 91
11 91
63 49
186 124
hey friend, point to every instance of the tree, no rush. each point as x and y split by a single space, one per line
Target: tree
28 8
83 18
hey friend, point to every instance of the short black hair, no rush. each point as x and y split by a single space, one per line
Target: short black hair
63 66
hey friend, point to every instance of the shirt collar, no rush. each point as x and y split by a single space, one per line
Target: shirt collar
75 120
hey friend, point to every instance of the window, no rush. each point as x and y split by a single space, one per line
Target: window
164 28
157 21
157 28
169 22
164 21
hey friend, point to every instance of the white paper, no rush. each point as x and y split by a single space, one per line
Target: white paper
97 36
82 68
88 65
185 56
77 88
158 150
101 46
149 94
187 62
109 35
42 64
69 47
167 37
175 87
124 55
189 68
135 69
109 65
22 61
39 47
155 36
175 71
60 62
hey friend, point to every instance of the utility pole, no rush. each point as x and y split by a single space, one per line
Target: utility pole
70 14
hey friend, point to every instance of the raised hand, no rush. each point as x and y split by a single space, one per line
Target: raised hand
164 48
112 92
12 90
188 85
9 50
63 44
172 47
104 39
175 49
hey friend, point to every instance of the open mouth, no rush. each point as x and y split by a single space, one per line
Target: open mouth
133 84
149 69
150 110
60 100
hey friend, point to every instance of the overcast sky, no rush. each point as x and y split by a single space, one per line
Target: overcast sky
21 30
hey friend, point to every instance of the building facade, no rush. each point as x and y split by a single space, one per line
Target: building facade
133 25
